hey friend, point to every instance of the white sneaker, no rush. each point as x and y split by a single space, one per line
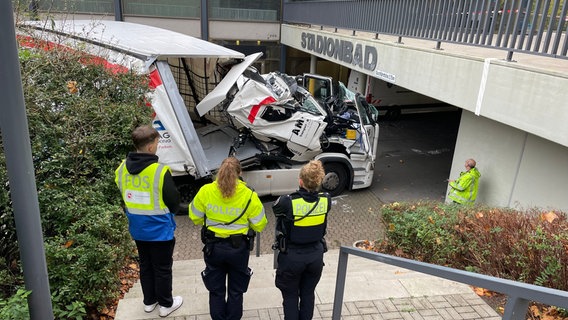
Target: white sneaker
164 312
150 307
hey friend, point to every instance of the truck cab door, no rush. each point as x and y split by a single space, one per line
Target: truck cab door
320 87
368 116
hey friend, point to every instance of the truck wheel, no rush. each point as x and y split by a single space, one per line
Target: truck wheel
335 179
187 191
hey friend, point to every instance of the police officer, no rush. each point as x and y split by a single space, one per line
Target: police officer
227 209
151 198
300 229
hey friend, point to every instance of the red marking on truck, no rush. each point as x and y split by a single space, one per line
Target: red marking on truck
254 110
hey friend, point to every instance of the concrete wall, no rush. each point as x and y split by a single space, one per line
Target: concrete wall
218 30
233 30
185 26
518 169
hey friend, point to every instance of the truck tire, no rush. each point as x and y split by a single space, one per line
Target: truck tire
335 179
188 188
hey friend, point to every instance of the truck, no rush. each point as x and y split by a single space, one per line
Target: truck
210 102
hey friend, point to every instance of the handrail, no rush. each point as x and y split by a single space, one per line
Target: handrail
537 27
518 294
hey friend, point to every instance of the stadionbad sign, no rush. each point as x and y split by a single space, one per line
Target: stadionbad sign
357 54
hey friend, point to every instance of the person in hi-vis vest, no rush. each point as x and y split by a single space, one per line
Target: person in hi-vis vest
230 213
463 190
151 199
300 230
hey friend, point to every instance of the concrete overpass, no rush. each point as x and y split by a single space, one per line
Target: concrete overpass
515 113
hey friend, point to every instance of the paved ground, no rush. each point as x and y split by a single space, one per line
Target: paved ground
354 216
373 291
414 161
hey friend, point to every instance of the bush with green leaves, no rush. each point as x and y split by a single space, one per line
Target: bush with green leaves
530 246
423 231
80 116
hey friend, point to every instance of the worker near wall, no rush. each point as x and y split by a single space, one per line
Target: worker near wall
151 199
300 229
230 213
463 190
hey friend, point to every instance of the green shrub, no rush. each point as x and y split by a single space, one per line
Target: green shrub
16 306
423 231
529 246
78 138
89 255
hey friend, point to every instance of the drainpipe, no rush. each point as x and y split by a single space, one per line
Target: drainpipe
313 63
118 10
204 21
283 57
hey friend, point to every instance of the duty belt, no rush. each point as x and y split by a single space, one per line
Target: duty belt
303 245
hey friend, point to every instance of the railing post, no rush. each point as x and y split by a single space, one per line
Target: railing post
340 284
509 56
515 309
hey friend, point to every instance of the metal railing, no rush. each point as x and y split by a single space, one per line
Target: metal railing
529 26
518 294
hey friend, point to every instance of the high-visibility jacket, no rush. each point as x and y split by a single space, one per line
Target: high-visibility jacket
149 217
302 216
310 220
463 190
210 208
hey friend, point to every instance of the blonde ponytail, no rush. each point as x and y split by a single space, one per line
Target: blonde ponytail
228 176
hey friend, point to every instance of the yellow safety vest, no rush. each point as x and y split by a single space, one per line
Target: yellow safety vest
309 220
210 208
464 189
142 193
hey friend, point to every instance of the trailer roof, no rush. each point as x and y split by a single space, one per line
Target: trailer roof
139 40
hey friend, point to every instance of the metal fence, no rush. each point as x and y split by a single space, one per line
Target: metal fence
529 26
518 294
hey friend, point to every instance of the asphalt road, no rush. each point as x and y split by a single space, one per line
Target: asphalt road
414 160
415 156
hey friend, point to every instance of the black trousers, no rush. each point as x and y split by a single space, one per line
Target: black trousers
298 273
227 277
156 260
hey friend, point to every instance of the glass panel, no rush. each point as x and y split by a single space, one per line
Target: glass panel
77 6
245 10
165 8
